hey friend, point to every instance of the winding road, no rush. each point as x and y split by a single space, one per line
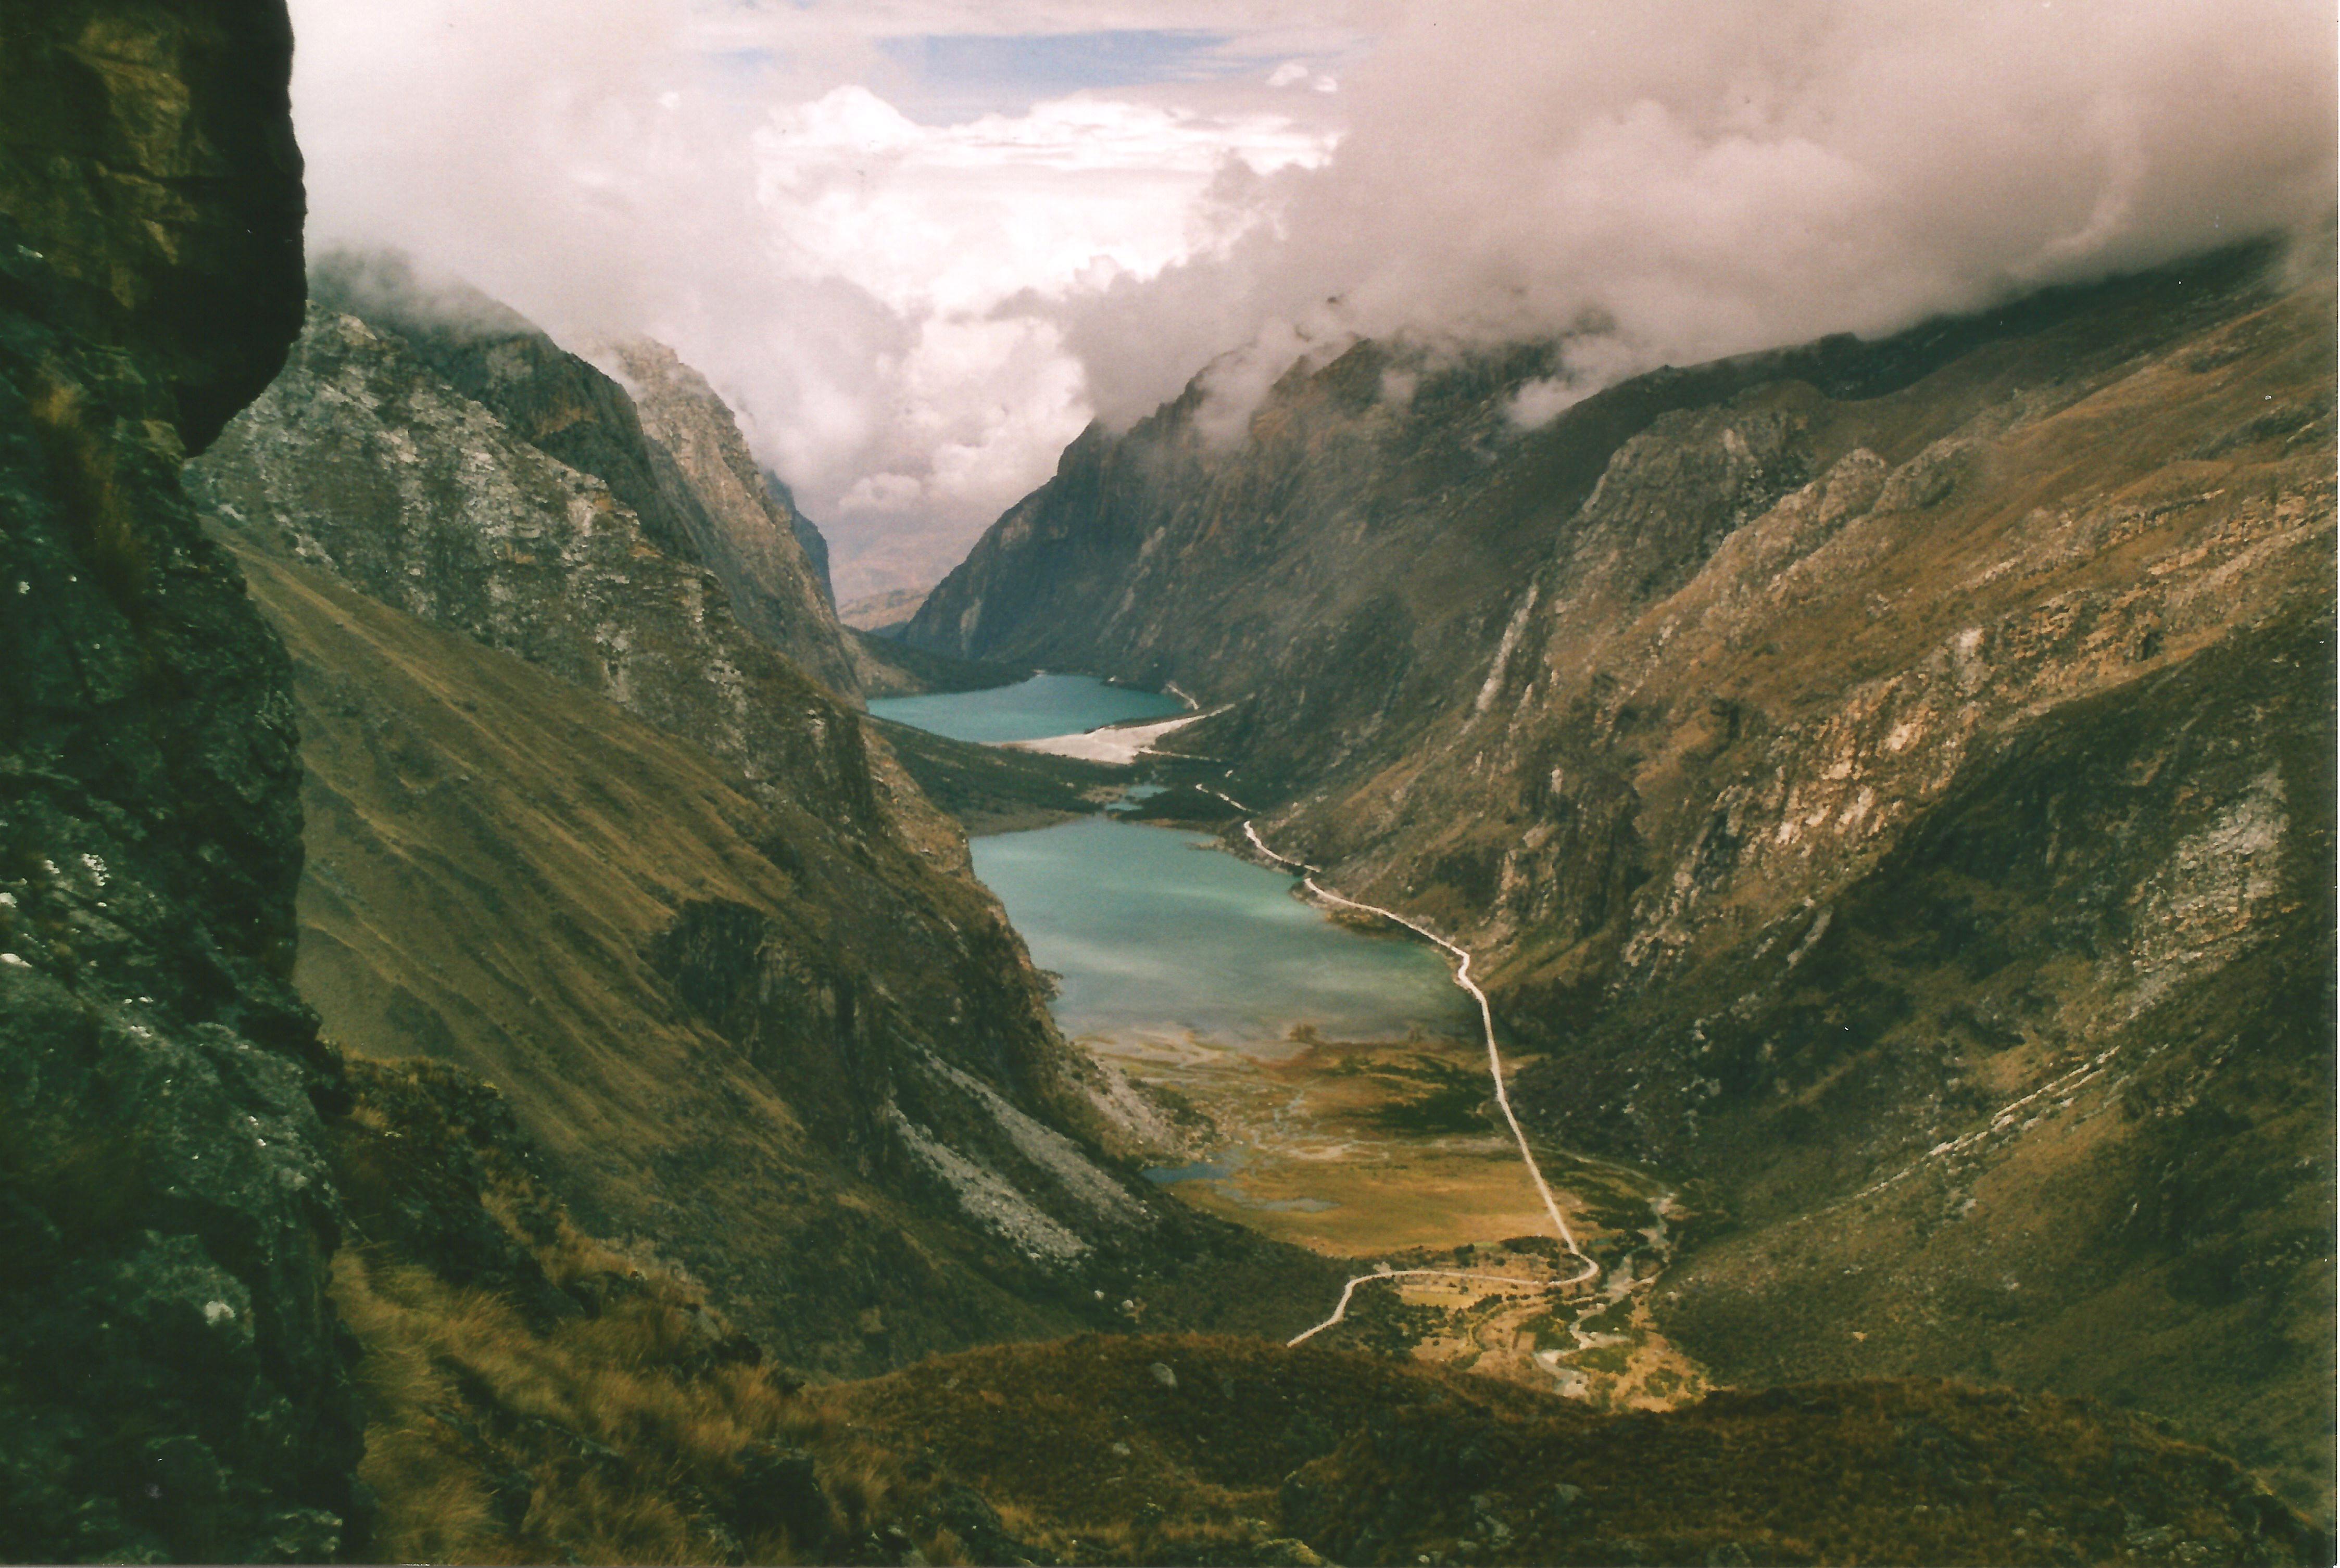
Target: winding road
1462 956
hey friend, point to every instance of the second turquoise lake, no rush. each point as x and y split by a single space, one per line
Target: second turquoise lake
1158 935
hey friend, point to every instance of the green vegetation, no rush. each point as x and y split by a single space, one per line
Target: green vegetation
992 789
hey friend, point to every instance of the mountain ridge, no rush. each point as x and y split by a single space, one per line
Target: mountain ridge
1667 710
689 482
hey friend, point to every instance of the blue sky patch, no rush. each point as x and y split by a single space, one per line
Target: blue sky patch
954 77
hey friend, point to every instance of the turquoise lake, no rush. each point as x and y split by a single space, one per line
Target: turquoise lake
1160 936
1028 711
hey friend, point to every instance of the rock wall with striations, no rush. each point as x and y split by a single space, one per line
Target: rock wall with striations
362 460
757 539
169 1363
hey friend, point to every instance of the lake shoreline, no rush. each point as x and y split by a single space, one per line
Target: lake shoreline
1040 708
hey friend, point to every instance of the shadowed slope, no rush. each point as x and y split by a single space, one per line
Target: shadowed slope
1199 1450
807 1065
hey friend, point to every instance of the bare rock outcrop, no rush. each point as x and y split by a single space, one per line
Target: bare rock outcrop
362 461
754 539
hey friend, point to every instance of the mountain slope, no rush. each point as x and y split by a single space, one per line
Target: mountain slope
689 482
573 828
806 1068
545 396
1822 753
1242 1448
815 542
533 1394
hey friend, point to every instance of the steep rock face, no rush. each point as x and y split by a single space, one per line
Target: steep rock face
572 827
1883 781
690 482
754 538
545 396
360 461
170 1367
815 542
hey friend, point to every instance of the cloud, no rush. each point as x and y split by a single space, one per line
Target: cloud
1699 178
723 178
916 265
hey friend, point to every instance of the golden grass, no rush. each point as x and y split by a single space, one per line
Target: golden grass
467 1405
502 1429
625 1435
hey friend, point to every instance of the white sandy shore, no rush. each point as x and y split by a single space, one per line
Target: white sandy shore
1119 745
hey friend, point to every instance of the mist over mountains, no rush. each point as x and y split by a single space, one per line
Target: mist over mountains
1683 182
913 316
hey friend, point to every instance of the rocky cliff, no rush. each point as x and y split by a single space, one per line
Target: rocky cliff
664 444
361 459
1888 783
755 540
809 534
146 153
171 1371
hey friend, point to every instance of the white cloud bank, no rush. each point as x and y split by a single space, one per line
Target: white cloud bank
914 318
701 174
1690 178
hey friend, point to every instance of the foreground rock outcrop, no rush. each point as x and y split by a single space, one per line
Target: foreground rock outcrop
171 1371
1887 783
